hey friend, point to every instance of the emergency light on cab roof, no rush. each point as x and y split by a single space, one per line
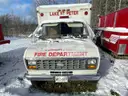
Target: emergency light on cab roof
64 17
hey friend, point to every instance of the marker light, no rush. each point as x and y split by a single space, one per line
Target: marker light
85 13
41 14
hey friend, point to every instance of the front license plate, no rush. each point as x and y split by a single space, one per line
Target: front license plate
61 79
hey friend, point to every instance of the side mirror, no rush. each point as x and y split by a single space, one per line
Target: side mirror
94 40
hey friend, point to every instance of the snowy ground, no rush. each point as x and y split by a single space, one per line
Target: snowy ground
114 76
12 82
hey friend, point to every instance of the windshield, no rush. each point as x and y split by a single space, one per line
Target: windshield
56 30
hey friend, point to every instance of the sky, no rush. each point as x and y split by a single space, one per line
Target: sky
22 8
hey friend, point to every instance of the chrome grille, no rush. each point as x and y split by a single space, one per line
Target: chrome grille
71 64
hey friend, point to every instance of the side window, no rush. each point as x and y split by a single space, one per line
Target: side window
39 31
91 33
86 31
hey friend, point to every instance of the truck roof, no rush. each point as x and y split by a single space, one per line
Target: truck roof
64 5
63 20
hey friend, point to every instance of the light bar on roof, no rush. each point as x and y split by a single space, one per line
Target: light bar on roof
64 17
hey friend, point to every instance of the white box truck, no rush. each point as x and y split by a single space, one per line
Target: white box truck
63 48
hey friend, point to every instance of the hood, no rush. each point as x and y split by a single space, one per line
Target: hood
62 48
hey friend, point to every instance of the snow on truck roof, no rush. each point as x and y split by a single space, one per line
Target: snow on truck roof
65 5
63 20
115 29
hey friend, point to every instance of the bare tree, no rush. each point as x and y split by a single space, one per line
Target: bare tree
115 4
120 4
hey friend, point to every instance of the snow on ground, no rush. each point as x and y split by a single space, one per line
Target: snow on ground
116 79
12 82
15 44
114 76
11 38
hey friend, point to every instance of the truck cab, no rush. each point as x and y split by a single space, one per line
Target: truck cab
63 51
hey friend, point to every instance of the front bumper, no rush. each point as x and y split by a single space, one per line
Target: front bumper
70 78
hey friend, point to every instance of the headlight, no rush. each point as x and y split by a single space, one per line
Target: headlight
31 62
91 61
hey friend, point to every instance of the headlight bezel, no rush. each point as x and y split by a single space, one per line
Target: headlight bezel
92 61
31 62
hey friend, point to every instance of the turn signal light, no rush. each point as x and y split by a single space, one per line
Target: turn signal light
31 67
91 66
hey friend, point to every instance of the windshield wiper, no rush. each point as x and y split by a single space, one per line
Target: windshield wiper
73 37
84 36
